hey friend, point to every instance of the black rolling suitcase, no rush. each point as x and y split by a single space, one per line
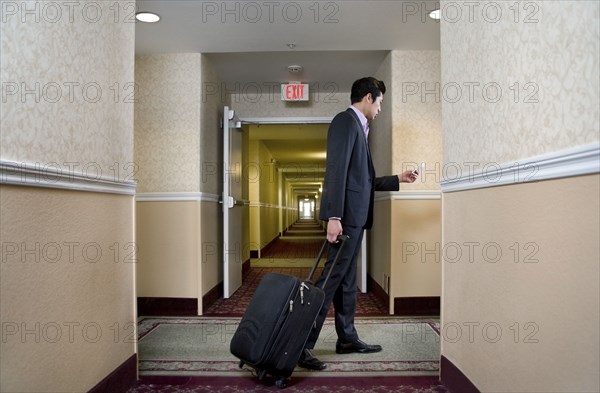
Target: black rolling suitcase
274 329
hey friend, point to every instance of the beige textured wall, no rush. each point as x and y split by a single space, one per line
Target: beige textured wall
529 288
412 248
179 253
67 280
379 261
211 157
69 90
554 222
264 199
542 70
379 238
417 123
416 260
178 149
177 124
170 248
291 204
266 104
408 131
269 184
68 289
211 136
254 194
211 255
167 122
380 130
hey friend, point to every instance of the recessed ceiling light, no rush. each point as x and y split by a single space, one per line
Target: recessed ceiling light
148 17
435 14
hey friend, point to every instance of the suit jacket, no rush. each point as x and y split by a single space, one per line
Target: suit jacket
350 182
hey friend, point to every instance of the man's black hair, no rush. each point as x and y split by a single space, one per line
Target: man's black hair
364 86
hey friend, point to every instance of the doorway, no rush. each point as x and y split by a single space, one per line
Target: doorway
283 166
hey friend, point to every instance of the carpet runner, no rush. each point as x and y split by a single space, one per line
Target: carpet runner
192 355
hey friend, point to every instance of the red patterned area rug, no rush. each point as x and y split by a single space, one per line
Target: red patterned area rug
368 305
302 384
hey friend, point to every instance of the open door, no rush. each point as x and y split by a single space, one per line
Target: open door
232 204
361 267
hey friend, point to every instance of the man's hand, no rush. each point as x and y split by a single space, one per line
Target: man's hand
334 228
408 177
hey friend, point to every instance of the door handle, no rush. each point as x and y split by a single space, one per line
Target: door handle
232 202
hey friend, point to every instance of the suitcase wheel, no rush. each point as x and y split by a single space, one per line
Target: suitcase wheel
241 363
261 374
281 382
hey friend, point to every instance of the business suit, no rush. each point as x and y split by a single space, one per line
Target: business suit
348 193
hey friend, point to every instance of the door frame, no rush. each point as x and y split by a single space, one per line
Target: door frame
362 258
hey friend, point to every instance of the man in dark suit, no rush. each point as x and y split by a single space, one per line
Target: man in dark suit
347 206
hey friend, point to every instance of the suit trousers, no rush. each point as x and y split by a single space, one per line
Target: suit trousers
340 288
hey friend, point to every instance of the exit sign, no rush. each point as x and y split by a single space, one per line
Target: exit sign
294 92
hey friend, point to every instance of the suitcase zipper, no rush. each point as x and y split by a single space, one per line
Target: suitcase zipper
291 305
302 286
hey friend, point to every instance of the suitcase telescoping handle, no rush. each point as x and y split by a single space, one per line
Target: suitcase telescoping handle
340 238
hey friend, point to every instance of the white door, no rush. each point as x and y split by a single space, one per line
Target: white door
361 267
232 204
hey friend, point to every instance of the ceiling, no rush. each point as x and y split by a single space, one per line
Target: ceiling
335 41
247 41
307 152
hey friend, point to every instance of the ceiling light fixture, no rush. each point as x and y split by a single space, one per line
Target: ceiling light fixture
147 17
295 68
291 45
435 14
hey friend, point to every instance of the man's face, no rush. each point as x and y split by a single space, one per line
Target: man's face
374 106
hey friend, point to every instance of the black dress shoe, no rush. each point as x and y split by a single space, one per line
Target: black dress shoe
356 346
308 360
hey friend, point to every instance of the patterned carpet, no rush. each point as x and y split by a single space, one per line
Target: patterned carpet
300 385
289 247
301 240
189 355
292 254
368 305
192 355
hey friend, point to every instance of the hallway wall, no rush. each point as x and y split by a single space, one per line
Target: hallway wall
177 139
267 104
67 275
520 205
413 126
406 133
167 114
264 202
